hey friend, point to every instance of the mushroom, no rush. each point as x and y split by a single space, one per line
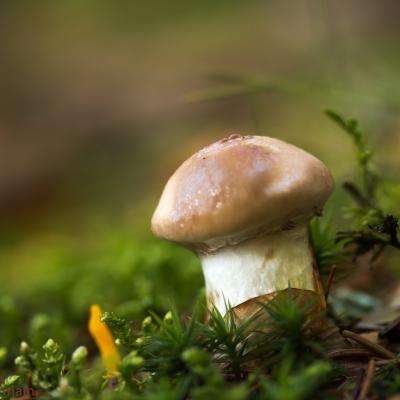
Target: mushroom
242 205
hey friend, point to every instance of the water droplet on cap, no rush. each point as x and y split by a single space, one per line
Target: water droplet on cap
235 136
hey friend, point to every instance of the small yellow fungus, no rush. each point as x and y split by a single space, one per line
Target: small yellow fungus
104 340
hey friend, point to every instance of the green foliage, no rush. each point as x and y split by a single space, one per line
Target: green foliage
201 358
10 320
44 367
297 385
127 275
327 250
228 339
387 381
3 355
120 327
277 353
370 179
172 358
292 332
47 371
8 386
162 349
374 229
374 238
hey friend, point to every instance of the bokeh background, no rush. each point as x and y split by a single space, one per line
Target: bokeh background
100 101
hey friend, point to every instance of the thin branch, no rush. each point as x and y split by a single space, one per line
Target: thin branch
330 281
340 353
367 381
378 349
358 383
355 192
380 363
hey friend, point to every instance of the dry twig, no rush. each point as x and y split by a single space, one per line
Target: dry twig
367 381
378 349
330 281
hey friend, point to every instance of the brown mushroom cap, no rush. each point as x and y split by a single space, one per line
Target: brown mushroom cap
238 188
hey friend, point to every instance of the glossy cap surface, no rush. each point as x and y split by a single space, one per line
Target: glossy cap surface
240 187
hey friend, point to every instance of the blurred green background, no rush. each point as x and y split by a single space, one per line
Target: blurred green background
101 100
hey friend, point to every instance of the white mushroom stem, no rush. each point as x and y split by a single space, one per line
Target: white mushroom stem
259 266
